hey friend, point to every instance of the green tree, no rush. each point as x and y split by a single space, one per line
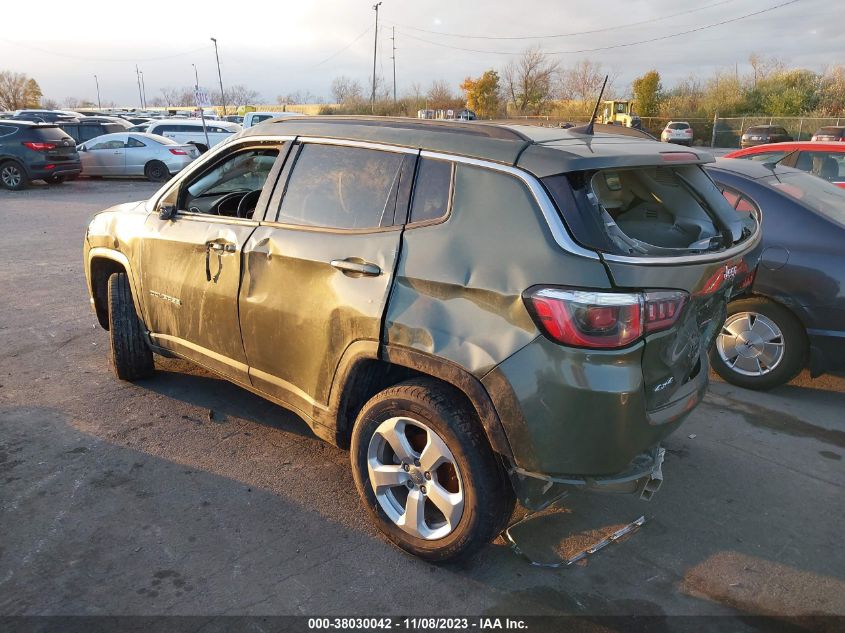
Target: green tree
648 91
482 94
786 93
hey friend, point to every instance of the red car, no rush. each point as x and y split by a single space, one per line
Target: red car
826 160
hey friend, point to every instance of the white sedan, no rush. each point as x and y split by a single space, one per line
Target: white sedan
135 154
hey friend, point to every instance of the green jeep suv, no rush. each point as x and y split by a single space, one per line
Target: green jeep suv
480 313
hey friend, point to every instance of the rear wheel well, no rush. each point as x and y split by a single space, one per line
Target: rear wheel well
370 377
101 269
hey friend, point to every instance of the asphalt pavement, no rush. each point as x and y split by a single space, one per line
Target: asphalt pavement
184 494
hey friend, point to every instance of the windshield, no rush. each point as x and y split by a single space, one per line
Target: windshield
813 192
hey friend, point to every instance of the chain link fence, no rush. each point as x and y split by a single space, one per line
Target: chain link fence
729 130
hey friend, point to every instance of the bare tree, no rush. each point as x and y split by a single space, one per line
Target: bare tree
49 104
582 81
529 80
239 95
70 102
346 90
172 96
297 98
440 94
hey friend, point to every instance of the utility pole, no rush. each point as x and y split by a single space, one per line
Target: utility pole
143 90
219 76
138 77
97 81
393 37
375 51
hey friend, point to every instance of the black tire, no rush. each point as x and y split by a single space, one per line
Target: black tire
54 180
131 357
156 171
13 176
488 498
793 339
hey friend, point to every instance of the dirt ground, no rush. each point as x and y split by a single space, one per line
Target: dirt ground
184 494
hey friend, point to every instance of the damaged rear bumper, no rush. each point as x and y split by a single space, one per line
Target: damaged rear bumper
643 477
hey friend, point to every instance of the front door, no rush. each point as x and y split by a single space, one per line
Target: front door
107 155
318 274
191 264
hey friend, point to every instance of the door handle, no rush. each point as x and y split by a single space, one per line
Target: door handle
355 267
223 247
219 248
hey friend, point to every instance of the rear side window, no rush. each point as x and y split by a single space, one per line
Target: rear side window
6 130
432 190
134 142
87 132
341 187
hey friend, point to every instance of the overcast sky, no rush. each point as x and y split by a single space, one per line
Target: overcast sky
282 46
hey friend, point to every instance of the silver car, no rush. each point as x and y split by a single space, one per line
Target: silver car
135 154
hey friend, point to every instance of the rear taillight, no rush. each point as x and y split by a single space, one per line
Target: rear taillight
602 320
39 147
178 152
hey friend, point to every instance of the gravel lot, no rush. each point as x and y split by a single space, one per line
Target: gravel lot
187 495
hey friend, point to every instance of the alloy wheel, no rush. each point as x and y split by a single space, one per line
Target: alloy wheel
415 478
750 344
11 176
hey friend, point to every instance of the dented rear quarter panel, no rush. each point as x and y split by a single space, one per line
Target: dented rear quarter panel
458 288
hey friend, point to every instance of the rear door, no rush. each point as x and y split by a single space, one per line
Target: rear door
318 270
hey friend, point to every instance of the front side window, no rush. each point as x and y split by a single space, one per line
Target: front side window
341 187
219 191
827 165
431 190
110 144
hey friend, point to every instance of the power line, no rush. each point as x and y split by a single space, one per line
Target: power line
572 34
335 54
612 46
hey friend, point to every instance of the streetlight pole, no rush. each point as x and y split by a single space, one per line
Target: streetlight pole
375 50
97 81
219 76
144 90
138 77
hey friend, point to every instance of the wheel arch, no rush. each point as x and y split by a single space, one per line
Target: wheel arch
102 263
367 368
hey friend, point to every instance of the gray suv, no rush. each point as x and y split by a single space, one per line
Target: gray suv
481 313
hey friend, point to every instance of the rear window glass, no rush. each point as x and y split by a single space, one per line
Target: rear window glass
340 187
48 133
757 130
814 193
678 126
161 140
831 131
765 157
648 211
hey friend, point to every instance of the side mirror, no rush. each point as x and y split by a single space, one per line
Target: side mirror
167 211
